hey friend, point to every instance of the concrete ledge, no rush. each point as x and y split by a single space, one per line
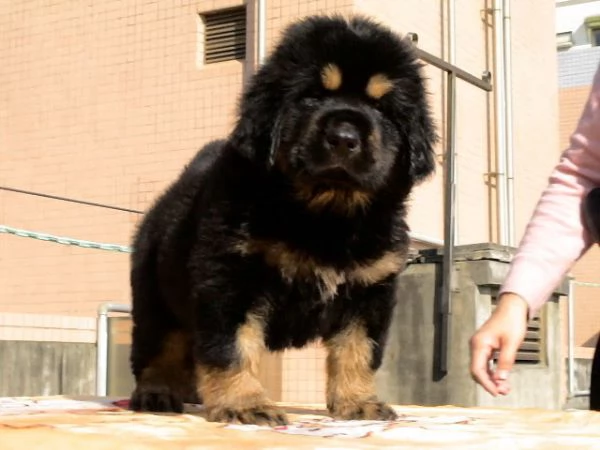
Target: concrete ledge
47 368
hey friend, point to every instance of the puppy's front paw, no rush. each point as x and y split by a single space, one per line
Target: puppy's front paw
365 410
264 414
155 399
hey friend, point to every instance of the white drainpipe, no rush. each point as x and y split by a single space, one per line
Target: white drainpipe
261 27
508 117
451 31
571 380
500 106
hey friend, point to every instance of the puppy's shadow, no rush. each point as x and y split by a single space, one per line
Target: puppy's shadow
198 410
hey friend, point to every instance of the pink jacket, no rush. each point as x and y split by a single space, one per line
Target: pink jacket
555 237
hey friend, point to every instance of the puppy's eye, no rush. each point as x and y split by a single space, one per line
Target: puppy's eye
377 104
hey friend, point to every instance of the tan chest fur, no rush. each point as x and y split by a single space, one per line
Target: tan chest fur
296 265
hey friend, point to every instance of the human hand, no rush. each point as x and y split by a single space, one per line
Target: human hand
504 331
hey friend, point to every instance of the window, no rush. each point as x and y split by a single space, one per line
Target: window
593 26
595 37
564 40
224 35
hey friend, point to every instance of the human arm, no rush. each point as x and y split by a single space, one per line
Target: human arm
554 239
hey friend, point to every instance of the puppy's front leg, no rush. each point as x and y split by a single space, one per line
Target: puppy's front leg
350 377
230 390
355 353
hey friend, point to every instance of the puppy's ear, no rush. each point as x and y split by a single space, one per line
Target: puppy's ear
255 132
421 141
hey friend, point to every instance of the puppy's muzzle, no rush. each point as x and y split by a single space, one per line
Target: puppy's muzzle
343 139
343 132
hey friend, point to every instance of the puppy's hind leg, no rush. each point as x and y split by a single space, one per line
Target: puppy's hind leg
167 380
228 384
161 352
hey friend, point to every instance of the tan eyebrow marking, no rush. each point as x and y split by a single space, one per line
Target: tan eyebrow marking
378 86
331 77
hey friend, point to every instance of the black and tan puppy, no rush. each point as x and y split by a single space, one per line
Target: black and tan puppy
290 230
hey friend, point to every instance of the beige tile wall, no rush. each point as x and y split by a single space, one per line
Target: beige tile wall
535 103
46 328
105 101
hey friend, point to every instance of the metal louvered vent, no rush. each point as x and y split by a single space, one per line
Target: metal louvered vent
225 35
530 351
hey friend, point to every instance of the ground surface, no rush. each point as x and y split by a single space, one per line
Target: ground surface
98 423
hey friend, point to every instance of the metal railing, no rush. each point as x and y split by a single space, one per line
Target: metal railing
484 83
572 389
102 343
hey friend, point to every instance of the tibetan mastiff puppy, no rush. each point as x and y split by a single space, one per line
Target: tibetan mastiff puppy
291 229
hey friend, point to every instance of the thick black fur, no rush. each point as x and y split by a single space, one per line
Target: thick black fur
186 274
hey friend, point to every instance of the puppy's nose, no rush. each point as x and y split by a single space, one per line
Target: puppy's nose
343 138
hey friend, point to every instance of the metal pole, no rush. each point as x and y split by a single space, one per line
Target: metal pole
102 344
447 67
445 299
451 21
449 224
101 353
450 11
508 123
500 99
260 54
570 332
571 339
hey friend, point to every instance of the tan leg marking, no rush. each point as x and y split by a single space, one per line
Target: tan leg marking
350 379
169 379
235 394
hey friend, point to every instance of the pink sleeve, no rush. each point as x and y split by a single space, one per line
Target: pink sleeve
555 237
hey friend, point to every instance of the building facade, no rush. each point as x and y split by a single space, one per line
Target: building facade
106 101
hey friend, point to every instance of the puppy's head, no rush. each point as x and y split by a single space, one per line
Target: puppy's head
339 107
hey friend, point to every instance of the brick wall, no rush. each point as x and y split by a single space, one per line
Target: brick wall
103 102
106 102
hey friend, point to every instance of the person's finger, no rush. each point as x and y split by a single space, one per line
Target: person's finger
506 360
481 353
490 373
